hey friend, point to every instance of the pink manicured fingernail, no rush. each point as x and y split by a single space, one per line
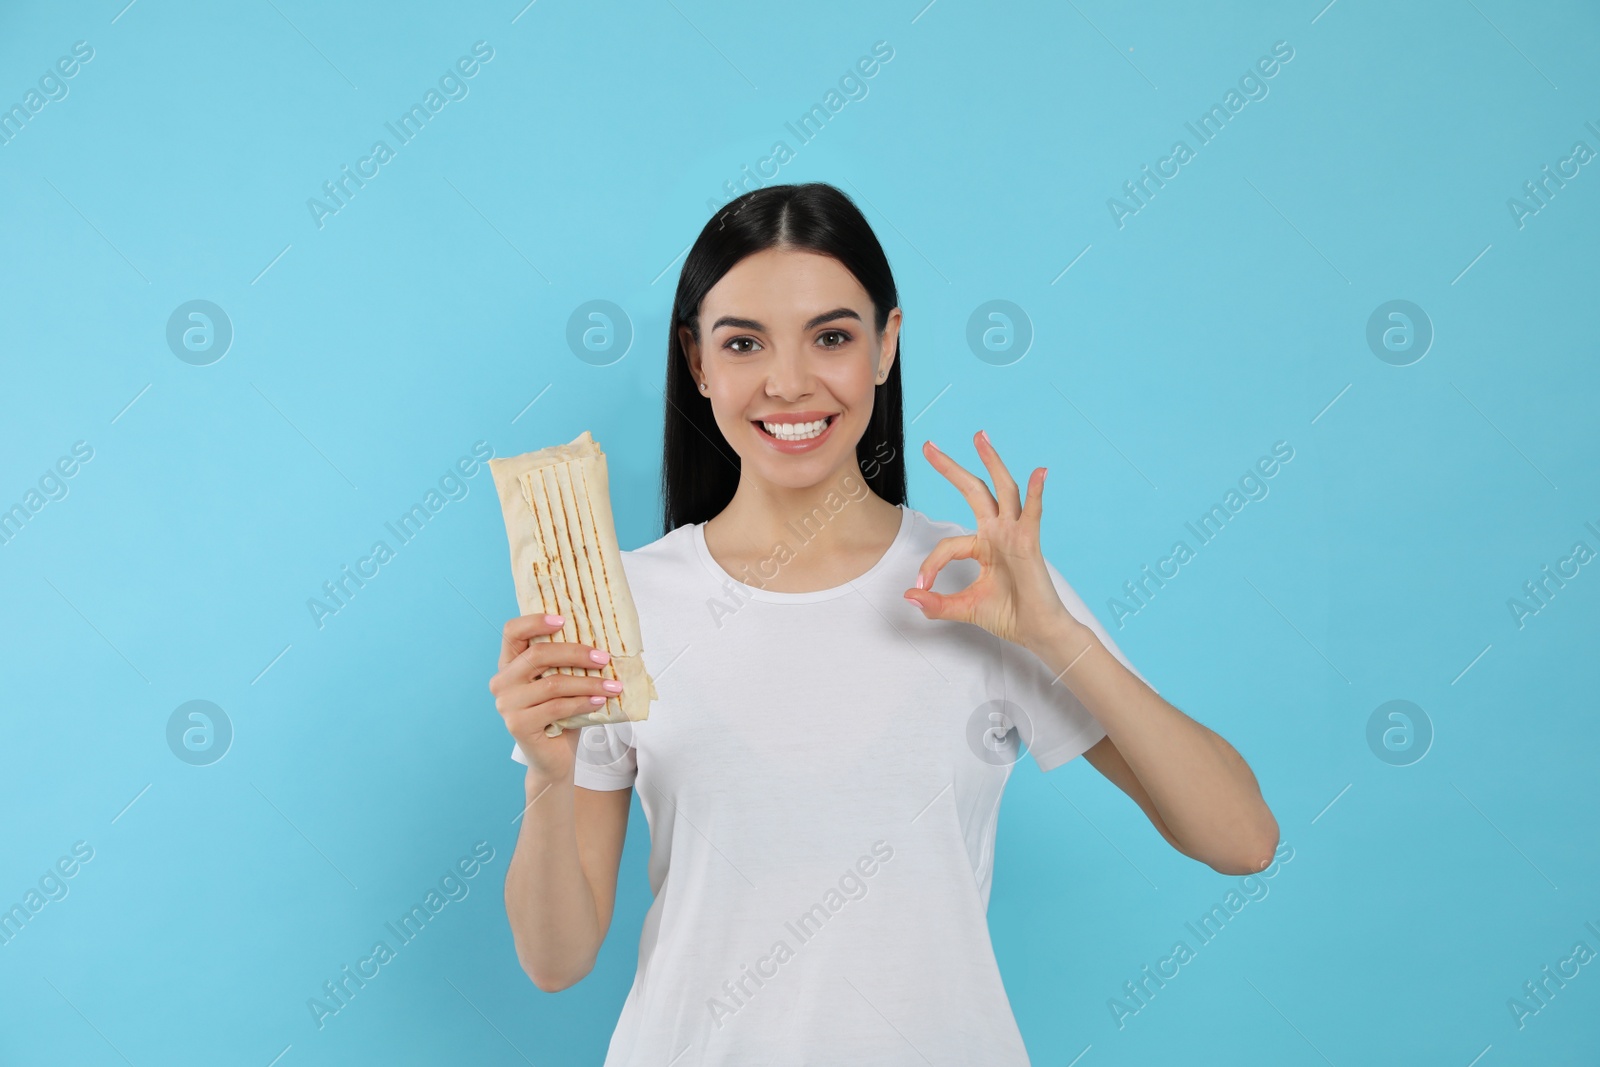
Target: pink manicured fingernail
920 582
597 700
985 435
610 686
553 620
599 655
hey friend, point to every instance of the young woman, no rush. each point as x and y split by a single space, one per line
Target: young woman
842 684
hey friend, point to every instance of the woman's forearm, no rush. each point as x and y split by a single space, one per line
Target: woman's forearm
1204 791
550 905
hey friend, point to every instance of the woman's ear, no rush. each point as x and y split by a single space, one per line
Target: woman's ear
889 344
691 351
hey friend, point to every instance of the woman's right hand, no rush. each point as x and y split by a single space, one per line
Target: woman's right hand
528 702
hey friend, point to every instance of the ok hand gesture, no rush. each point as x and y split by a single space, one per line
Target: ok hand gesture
1013 596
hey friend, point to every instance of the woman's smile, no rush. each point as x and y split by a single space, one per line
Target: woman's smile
800 432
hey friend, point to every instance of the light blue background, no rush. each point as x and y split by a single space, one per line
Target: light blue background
368 355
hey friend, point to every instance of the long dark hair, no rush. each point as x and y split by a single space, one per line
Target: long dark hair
699 471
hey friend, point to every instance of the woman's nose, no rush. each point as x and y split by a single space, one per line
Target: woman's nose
790 373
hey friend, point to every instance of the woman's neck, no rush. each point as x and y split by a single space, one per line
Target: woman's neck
819 537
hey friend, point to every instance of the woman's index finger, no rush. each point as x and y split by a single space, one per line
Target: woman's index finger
973 488
520 632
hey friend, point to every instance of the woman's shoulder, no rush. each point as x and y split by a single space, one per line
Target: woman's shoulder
926 528
660 557
668 544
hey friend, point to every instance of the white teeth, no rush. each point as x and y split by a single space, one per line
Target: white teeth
795 431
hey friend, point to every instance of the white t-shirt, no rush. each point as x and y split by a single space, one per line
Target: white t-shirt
822 778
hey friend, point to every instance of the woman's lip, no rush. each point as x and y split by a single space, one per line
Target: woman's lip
791 447
799 416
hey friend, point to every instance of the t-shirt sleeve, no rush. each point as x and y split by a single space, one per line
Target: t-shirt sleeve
606 757
1062 727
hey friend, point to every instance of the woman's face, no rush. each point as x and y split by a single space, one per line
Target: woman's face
787 341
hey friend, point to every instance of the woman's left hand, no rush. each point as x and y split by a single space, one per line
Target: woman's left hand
1013 596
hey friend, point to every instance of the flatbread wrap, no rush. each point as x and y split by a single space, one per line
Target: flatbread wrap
565 561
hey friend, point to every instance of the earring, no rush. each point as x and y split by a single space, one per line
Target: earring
702 387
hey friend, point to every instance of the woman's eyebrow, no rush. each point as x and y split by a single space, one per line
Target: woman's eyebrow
818 320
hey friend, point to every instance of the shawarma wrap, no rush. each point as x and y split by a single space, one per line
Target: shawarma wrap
565 561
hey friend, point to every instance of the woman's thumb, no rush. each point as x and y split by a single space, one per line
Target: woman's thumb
931 603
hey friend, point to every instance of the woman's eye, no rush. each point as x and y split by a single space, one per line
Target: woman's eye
843 338
737 341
